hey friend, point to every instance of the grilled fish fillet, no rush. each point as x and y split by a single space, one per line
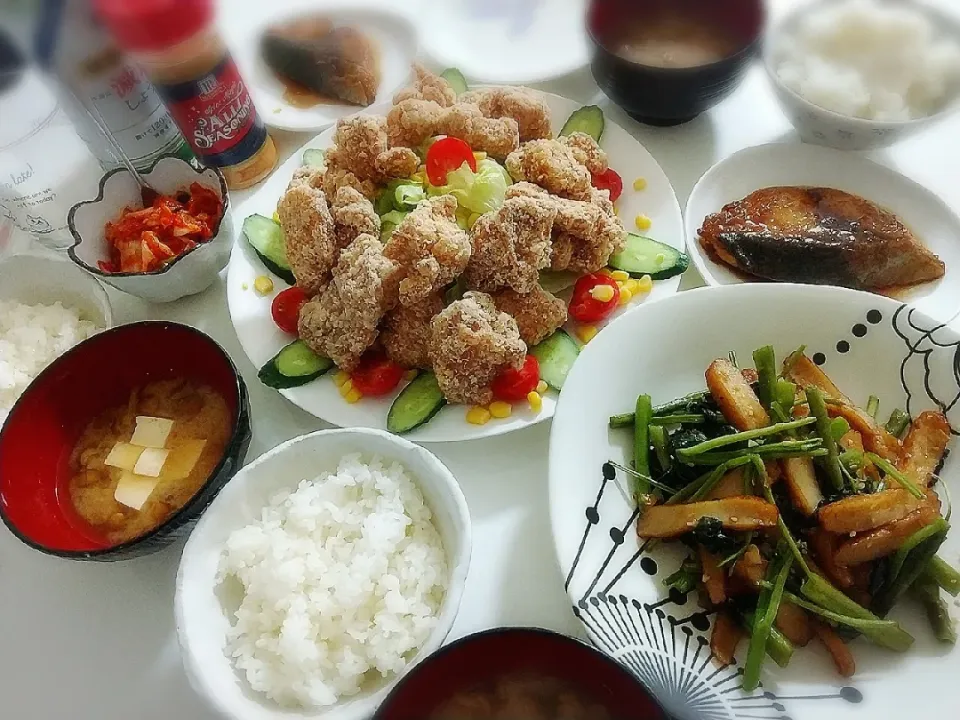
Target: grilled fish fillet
820 236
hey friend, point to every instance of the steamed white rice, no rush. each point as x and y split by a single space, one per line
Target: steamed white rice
875 60
32 337
343 581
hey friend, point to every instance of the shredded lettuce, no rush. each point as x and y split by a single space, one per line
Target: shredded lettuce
479 192
402 195
389 222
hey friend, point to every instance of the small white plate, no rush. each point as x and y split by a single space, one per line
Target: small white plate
507 41
929 217
868 344
394 35
261 339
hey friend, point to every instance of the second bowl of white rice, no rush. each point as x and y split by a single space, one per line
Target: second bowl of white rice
321 574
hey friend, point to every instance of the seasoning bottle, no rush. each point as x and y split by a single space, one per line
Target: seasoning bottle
94 76
177 45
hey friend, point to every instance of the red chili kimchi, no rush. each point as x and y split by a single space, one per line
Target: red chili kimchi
142 240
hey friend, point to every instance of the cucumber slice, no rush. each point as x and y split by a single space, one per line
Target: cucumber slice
295 365
588 119
645 256
416 404
314 158
266 238
556 356
456 79
556 281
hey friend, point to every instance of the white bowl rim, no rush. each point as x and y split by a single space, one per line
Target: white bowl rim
789 20
459 569
97 292
196 167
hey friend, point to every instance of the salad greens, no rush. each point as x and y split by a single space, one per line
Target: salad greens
479 192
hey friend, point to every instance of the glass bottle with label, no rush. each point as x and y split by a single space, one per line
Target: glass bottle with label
95 76
176 43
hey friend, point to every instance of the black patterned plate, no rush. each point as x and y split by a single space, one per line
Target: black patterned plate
868 345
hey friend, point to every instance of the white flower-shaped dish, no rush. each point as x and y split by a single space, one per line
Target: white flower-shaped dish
190 273
203 619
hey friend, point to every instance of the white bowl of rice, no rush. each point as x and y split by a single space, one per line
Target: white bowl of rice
320 575
47 305
863 74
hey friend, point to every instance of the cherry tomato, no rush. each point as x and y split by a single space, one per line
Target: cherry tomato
448 154
610 180
286 309
584 306
376 374
514 385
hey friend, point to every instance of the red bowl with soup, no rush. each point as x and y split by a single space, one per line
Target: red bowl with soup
118 446
666 61
523 673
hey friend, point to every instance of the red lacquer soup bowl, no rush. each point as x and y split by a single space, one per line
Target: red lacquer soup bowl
98 374
474 662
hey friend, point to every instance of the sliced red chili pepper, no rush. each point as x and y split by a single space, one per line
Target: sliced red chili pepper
609 180
448 154
587 308
376 375
514 385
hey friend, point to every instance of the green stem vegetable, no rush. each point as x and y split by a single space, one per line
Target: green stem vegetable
767 607
779 648
908 562
890 470
944 575
681 404
831 463
641 445
786 448
757 434
764 359
897 423
928 593
873 406
658 439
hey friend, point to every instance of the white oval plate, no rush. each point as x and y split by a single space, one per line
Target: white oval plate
393 33
931 219
870 345
261 339
507 41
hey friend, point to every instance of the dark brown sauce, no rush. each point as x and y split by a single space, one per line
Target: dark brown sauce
674 41
298 96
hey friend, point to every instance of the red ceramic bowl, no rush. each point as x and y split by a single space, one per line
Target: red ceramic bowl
99 373
488 655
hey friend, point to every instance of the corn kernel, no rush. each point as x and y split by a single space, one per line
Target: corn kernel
644 285
478 415
535 401
346 388
244 286
409 375
586 333
542 387
340 378
632 286
616 208
620 275
500 409
625 297
603 293
276 216
479 155
640 184
263 285
353 396
643 222
605 271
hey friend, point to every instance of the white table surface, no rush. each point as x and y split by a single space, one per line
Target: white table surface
94 641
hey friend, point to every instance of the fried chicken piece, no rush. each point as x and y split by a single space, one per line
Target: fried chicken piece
427 86
430 248
308 231
405 333
511 246
538 313
341 322
413 121
397 162
554 166
353 215
525 105
471 343
361 159
585 234
587 152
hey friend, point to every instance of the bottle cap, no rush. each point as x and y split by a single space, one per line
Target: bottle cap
145 25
